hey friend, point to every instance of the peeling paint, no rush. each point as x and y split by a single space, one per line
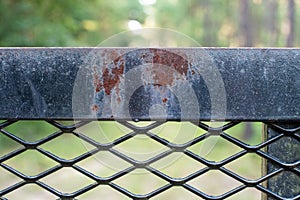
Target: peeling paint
114 69
163 68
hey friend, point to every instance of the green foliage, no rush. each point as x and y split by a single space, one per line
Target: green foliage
87 23
63 23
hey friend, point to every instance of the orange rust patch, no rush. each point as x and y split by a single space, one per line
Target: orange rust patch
177 65
162 75
168 58
110 80
174 67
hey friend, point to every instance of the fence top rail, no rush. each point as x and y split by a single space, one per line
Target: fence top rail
260 84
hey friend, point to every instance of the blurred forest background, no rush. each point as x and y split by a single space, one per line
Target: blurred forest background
226 23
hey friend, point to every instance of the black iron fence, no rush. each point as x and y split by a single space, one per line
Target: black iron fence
80 123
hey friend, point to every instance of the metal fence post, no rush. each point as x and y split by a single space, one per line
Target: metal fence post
284 155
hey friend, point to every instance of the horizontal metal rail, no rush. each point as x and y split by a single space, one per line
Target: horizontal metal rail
250 83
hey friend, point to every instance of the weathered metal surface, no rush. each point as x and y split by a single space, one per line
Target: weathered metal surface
174 84
286 151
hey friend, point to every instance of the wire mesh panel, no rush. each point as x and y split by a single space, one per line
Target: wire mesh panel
148 160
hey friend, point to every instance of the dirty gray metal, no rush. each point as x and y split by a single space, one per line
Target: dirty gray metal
259 83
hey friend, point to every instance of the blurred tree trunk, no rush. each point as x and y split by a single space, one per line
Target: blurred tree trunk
246 35
271 22
207 22
248 132
291 23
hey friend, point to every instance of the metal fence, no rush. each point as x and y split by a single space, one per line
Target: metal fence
67 97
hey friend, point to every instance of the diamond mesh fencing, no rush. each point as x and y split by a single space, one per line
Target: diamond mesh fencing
51 159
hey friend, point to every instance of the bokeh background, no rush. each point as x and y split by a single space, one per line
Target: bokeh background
225 23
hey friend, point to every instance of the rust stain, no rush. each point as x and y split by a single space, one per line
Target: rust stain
95 108
110 77
110 80
176 69
111 73
171 59
162 76
117 89
97 82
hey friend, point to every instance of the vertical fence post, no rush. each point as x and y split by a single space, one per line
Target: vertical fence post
286 150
